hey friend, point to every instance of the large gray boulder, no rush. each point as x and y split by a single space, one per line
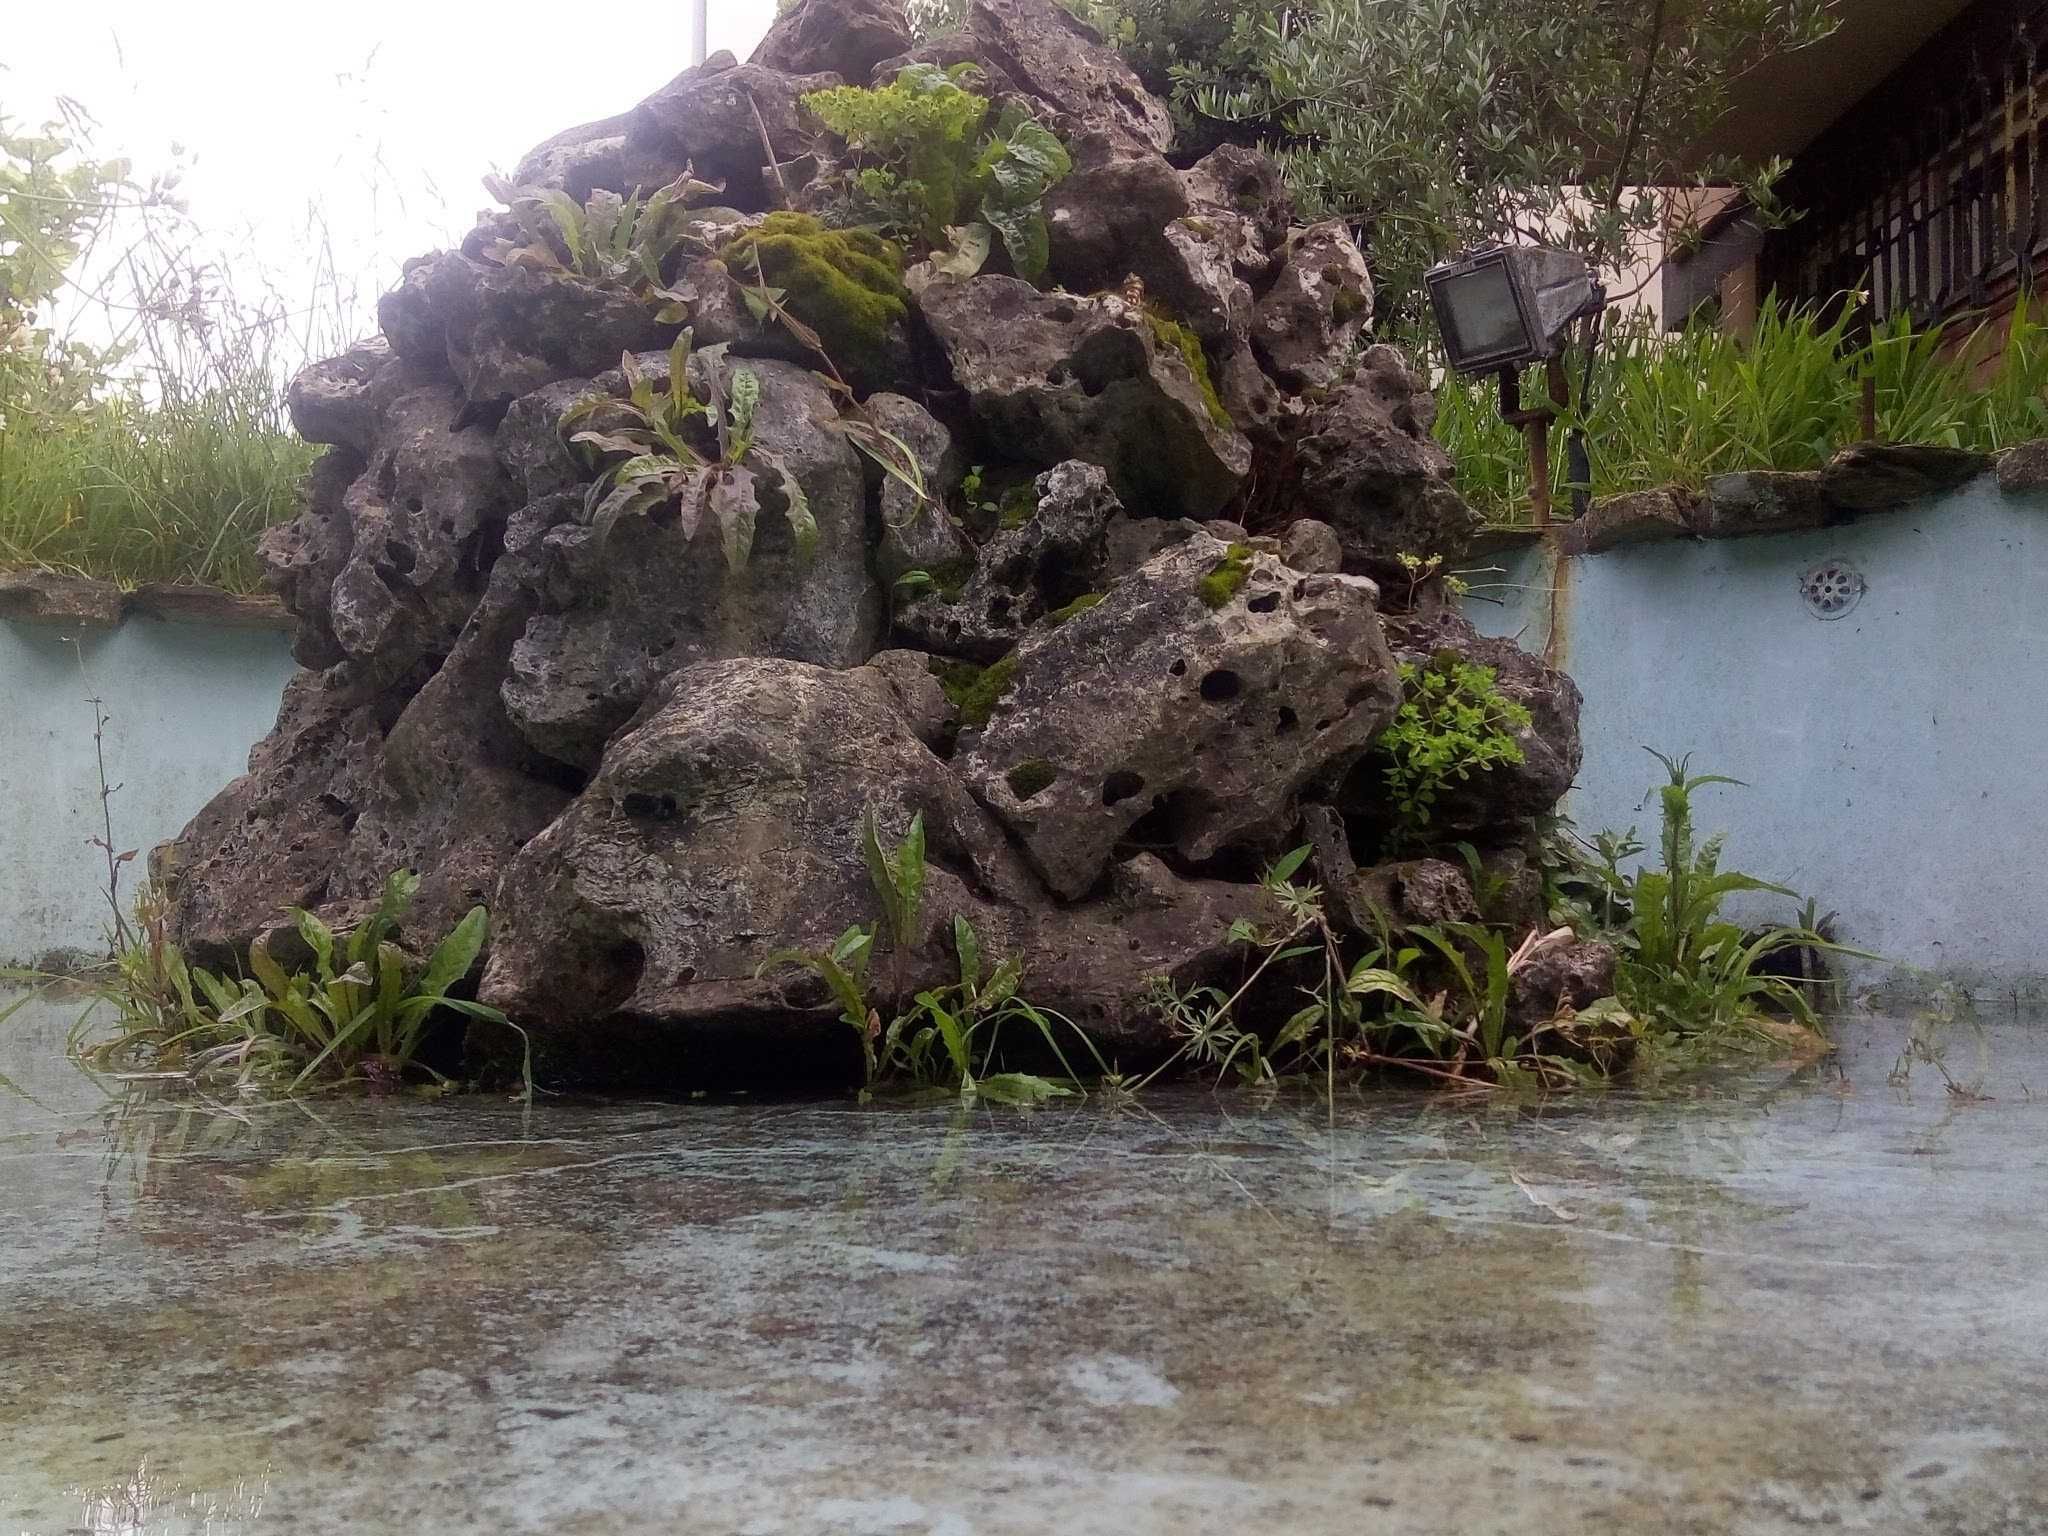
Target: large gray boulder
1204 693
1309 321
842 37
1049 54
1051 376
1367 466
619 610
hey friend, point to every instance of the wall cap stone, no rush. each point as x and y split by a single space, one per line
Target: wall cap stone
77 602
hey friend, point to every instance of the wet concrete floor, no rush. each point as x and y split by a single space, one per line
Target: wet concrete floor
1794 1299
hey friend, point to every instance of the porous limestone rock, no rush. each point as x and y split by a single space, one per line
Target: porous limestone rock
1204 692
1051 376
1312 316
1057 554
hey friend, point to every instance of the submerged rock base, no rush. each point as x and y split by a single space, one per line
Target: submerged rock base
654 763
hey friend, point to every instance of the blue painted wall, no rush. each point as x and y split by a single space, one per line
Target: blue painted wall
185 703
1896 757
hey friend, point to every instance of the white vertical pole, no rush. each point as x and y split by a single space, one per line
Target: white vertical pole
699 30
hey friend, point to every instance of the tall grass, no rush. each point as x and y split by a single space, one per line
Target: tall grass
175 488
1678 409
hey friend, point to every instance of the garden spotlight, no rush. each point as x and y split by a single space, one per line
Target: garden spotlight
1503 308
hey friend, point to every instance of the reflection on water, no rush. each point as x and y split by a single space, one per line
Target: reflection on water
1784 1297
147 1506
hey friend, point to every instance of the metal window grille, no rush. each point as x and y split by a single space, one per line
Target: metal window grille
1932 194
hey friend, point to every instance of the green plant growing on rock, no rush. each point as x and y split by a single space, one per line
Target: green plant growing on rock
1176 338
945 1036
1226 578
974 692
610 241
659 467
941 174
363 1008
1453 722
844 285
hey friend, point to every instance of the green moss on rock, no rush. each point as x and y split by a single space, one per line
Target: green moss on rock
975 691
1080 604
1225 577
1030 776
846 284
1019 505
1175 337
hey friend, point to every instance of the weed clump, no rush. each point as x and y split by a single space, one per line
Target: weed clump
1226 577
846 284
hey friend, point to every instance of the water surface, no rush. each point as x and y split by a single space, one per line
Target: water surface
1795 1298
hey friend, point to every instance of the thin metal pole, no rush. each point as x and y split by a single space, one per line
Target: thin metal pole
700 30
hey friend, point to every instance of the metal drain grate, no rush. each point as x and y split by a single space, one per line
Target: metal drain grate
1831 590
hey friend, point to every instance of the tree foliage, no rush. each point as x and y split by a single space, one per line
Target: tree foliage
1434 125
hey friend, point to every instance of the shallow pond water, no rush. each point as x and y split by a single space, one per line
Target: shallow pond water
1791 1298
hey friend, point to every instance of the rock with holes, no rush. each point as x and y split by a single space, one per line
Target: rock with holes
1503 797
1367 466
1309 321
335 402
619 610
1199 698
1051 376
1044 52
1054 558
1249 184
1106 219
725 825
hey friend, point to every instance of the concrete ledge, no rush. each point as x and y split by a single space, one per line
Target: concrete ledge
76 602
1876 477
1634 517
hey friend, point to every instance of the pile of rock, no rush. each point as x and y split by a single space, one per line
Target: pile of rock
654 769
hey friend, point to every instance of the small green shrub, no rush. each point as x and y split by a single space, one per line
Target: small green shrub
937 167
1226 577
846 284
1453 722
658 464
362 1009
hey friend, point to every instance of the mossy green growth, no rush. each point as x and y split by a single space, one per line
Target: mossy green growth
975 691
1226 576
1030 776
1079 605
1175 337
1347 305
950 578
1019 505
846 284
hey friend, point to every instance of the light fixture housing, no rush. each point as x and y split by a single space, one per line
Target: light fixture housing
1509 305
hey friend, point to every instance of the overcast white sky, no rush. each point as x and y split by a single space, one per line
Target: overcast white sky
372 120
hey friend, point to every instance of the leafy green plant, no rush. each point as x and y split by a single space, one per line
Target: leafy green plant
1685 965
362 1009
660 469
940 173
943 1036
1453 722
610 241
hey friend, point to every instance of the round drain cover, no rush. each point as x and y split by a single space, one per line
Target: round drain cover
1832 589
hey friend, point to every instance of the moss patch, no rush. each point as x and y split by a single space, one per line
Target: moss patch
975 691
1080 604
1225 577
950 577
846 284
1019 505
1347 305
1030 776
1175 337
